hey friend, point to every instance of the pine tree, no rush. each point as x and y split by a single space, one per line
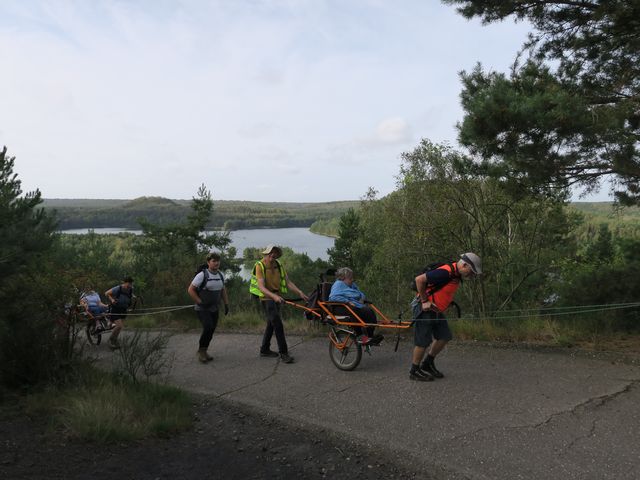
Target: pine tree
569 114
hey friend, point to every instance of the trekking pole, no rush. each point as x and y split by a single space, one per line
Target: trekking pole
395 349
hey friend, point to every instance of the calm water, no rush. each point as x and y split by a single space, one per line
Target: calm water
300 240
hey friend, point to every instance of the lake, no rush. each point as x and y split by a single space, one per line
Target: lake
300 240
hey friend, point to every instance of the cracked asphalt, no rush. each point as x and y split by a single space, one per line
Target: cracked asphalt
498 413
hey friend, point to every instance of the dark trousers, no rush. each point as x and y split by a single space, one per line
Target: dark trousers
274 325
209 321
366 314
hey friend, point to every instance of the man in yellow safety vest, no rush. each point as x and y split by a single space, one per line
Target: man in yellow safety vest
269 281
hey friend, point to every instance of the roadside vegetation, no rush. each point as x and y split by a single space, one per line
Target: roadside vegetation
105 408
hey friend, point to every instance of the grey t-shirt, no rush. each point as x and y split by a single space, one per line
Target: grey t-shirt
212 290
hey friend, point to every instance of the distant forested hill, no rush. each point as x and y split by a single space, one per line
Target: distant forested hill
232 215
621 221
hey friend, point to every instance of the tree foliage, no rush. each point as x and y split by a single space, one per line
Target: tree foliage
228 214
342 252
570 113
161 254
26 229
599 275
29 350
440 211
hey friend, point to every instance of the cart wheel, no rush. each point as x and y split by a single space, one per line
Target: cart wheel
344 351
94 337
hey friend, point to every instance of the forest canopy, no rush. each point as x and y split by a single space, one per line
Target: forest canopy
228 215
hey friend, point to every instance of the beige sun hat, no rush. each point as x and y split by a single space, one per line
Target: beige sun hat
270 248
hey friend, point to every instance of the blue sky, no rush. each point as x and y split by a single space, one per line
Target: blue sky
290 100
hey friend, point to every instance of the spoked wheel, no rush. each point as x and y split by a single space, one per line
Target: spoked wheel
344 351
93 336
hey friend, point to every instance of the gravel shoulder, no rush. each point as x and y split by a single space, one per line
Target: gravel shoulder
227 441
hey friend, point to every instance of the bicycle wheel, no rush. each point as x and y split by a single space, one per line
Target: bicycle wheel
344 351
93 336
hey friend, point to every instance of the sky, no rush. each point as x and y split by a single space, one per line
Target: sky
261 100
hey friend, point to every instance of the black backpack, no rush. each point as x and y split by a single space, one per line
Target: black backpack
433 266
127 296
205 268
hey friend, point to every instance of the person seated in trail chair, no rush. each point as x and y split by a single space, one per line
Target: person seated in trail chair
120 297
345 290
92 303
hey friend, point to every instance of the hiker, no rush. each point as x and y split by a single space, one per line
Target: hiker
120 298
345 290
206 289
269 281
436 289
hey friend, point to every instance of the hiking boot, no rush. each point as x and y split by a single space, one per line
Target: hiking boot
285 358
420 376
202 356
209 357
430 368
376 339
269 353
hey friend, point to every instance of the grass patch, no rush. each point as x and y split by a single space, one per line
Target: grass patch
147 321
107 408
585 332
242 321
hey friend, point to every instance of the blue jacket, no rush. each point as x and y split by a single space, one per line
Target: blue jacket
341 292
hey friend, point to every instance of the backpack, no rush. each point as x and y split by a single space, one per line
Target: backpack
122 293
204 268
431 289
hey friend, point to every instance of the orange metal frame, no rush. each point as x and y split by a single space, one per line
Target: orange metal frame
325 314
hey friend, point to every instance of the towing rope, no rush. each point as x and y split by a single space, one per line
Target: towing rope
158 310
524 313
578 310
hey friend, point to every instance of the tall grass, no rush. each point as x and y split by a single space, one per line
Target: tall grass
580 330
109 408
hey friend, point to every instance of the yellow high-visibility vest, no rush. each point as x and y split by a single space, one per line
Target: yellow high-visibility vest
253 284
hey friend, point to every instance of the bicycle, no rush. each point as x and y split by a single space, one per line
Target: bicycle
97 325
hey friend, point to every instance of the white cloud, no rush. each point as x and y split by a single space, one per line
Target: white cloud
393 130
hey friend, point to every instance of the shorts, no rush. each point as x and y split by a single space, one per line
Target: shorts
118 312
430 325
97 310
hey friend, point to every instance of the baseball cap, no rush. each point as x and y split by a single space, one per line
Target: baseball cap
473 261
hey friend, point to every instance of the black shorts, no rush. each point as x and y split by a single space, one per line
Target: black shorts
118 312
430 325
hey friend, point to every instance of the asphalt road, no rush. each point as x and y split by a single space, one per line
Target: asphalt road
498 413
